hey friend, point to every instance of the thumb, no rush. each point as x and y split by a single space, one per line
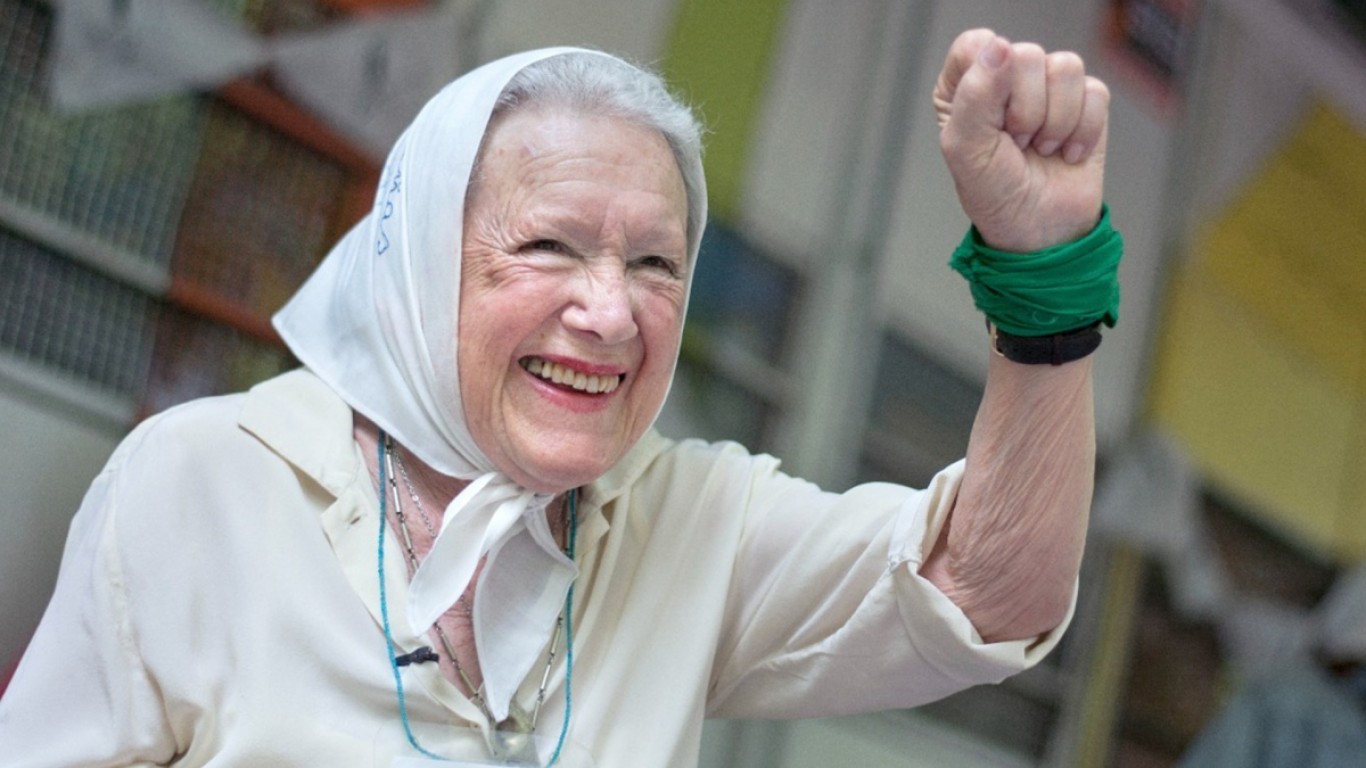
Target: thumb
962 53
977 117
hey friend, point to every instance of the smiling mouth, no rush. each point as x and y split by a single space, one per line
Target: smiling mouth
569 378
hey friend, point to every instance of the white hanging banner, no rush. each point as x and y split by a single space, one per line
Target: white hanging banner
1150 496
111 52
1340 619
1150 499
1258 634
368 78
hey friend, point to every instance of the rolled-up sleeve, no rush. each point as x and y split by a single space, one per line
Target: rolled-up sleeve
829 615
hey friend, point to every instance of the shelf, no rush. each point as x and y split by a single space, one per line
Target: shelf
128 268
209 304
111 410
262 102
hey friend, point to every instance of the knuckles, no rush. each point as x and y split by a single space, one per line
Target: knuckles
1065 64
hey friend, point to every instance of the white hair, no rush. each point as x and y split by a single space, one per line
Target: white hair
605 85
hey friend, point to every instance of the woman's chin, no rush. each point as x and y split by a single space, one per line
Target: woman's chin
552 453
569 467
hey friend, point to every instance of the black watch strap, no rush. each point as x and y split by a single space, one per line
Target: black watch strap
1055 349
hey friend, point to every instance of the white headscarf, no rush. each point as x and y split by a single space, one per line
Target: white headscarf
378 322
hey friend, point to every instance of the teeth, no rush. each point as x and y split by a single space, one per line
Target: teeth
578 381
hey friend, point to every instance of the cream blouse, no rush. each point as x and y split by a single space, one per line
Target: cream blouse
218 604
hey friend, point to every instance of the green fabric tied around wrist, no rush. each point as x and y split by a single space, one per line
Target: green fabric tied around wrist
1055 290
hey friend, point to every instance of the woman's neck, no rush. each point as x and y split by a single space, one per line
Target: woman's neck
434 489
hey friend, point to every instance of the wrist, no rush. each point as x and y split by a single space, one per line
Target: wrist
1012 240
1052 349
1052 291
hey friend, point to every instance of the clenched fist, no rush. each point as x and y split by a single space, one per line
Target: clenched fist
1023 132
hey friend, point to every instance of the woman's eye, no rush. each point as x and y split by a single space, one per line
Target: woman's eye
659 262
553 246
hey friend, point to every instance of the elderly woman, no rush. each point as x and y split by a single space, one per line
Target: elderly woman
453 535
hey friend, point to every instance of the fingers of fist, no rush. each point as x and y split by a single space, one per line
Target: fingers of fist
1044 101
1054 106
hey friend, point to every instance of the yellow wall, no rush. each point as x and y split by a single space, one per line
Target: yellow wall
719 55
1262 360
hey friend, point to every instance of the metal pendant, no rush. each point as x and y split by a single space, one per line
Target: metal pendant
513 741
513 747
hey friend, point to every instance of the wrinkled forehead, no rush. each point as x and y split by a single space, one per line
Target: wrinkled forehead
531 143
563 174
446 141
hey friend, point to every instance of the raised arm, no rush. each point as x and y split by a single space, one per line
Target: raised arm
1023 132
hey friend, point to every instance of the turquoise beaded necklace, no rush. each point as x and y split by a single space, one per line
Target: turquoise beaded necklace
389 638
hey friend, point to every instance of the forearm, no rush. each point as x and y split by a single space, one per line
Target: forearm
1010 553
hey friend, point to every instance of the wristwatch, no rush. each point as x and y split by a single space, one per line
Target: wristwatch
1055 349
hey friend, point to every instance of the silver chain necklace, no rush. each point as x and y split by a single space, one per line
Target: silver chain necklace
510 739
463 602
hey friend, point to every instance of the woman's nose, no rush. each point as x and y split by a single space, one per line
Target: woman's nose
602 306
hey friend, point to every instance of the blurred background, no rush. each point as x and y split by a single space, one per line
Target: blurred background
170 170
